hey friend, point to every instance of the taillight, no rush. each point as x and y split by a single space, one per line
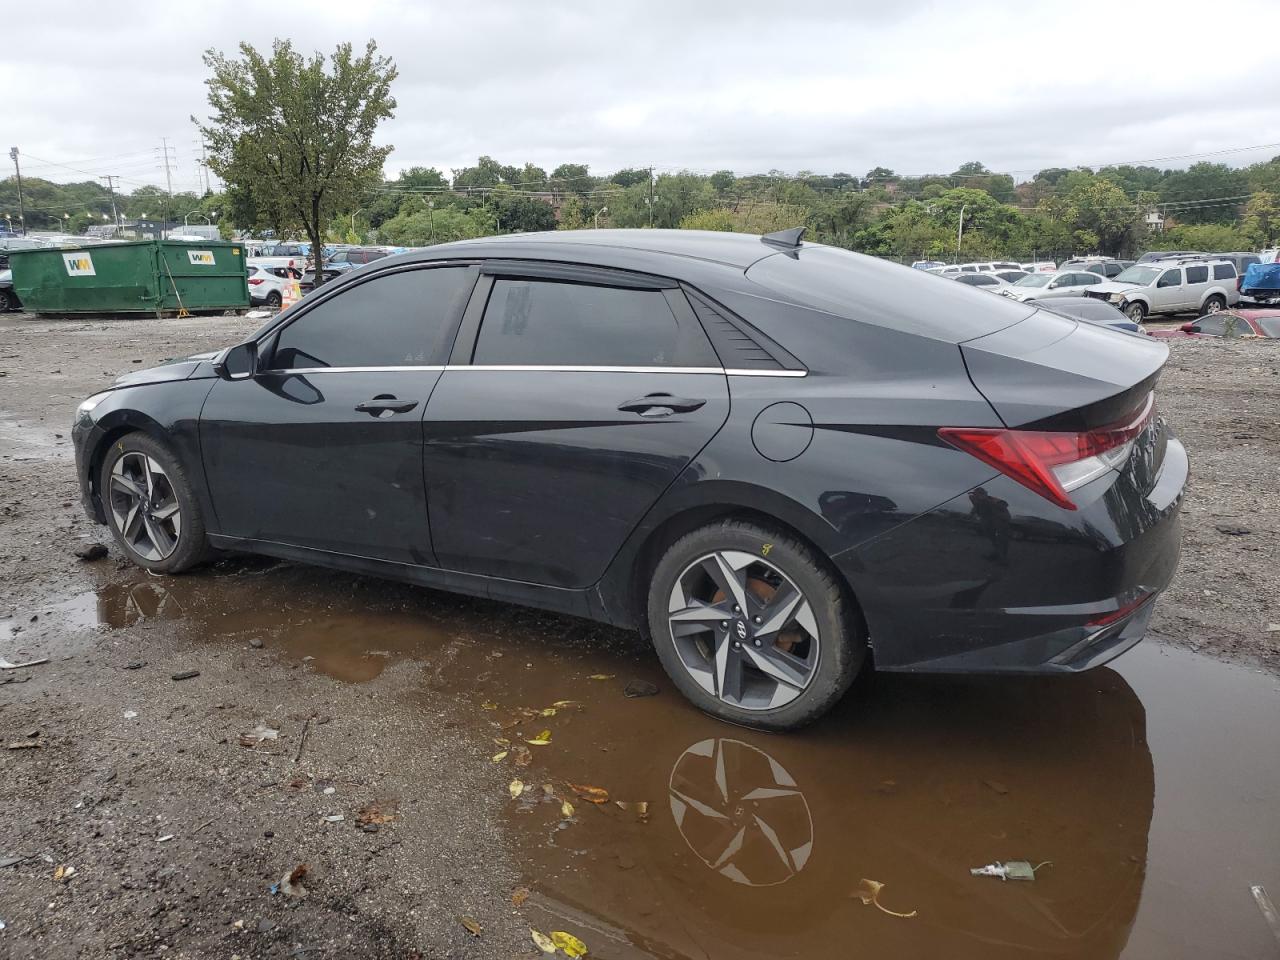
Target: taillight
1052 463
254 281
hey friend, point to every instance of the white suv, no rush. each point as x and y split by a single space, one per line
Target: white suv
1204 285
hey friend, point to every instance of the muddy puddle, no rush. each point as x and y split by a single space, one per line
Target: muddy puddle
1151 788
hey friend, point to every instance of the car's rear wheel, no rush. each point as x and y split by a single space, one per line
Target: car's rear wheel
1213 305
8 301
1136 311
151 508
753 627
274 300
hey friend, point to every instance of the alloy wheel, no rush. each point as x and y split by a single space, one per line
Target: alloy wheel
743 630
145 506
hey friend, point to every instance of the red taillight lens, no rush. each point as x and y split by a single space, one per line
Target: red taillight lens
1051 463
254 281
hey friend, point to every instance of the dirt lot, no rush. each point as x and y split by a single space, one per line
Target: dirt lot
384 700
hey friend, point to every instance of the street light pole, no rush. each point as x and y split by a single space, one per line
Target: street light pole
960 232
597 215
22 206
195 213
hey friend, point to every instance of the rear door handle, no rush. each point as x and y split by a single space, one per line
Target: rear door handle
384 403
661 405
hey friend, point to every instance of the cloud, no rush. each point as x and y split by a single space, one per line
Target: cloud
750 86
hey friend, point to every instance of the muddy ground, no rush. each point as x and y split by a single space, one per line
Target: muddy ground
386 702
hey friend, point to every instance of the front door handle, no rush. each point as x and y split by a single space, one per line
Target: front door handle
385 404
661 405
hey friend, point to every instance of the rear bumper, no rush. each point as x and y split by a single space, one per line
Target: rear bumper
1001 581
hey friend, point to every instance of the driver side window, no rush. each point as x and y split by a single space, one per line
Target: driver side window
393 320
1170 278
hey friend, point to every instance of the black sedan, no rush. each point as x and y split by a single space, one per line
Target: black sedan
776 459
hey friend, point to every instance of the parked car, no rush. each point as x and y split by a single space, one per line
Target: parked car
8 299
1261 282
1045 286
1105 267
1263 323
1242 261
1171 286
1089 310
308 281
267 284
927 264
1151 255
291 249
349 259
17 243
468 417
1011 276
1040 266
983 281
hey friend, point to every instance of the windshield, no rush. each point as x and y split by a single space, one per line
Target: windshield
1035 280
1139 275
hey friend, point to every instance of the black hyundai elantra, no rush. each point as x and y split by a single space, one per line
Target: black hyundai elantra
775 458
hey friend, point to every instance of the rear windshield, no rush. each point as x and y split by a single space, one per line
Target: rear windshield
1034 280
1270 326
886 294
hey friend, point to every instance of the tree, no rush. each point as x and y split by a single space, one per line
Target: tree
424 226
532 178
571 178
486 173
722 181
1262 218
1204 193
515 212
298 133
412 184
630 176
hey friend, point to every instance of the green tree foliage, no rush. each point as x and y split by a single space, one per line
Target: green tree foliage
412 183
424 226
758 218
572 178
630 177
298 132
514 211
1209 237
1197 193
722 181
1262 219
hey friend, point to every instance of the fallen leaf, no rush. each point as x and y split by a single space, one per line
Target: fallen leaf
377 812
515 788
639 807
523 755
547 712
502 741
519 895
291 883
566 809
560 704
499 756
472 926
542 739
543 941
602 676
869 893
589 793
488 705
548 790
570 944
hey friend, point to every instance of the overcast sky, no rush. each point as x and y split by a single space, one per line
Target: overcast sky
699 84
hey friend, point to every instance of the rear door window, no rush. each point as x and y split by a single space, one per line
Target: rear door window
1223 271
548 323
394 320
1197 274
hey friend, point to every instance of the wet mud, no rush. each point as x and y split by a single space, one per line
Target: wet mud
1147 794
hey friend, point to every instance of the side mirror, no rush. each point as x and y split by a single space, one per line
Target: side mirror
239 362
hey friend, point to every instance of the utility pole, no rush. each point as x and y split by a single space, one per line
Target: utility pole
168 179
22 206
960 232
111 187
204 166
651 198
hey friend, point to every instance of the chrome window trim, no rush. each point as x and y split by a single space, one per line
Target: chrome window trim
554 368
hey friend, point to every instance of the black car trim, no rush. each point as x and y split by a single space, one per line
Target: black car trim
738 344
576 273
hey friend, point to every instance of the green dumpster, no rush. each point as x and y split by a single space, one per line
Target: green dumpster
147 276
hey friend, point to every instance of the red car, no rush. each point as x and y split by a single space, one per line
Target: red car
1227 323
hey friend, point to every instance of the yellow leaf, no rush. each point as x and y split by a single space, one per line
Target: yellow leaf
565 703
591 794
515 788
489 705
639 807
548 712
543 941
548 790
601 676
502 741
570 944
566 809
472 926
499 756
519 895
542 739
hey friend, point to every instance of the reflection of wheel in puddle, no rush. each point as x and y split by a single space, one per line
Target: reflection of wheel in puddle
741 812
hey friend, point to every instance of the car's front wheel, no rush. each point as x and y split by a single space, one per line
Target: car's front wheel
753 627
151 508
8 300
1136 311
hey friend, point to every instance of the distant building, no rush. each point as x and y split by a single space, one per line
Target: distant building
1155 221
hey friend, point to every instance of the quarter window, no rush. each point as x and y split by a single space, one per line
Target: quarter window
1223 271
393 320
1197 274
1170 278
546 323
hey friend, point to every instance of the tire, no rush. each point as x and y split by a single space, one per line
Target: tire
161 539
1136 311
274 299
1213 305
8 301
767 565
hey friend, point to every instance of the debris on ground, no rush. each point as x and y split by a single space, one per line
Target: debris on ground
515 788
184 675
542 941
589 793
257 735
1232 530
570 944
92 552
302 739
6 665
291 883
64 873
542 739
472 925
377 812
869 893
639 807
518 896
1010 870
1268 909
639 688
601 676
255 642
